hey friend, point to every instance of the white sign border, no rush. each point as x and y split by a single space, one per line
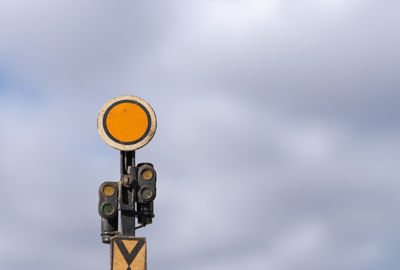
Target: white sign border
124 147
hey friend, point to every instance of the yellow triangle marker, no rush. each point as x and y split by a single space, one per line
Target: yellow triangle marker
130 245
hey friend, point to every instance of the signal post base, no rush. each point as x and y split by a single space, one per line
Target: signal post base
128 253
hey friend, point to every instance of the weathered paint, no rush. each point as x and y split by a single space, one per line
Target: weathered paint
127 123
128 253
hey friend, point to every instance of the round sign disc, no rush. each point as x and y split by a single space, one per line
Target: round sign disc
126 123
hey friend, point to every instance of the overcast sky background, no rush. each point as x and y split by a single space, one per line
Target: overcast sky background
278 131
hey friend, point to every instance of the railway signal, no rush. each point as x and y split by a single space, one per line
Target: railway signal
127 123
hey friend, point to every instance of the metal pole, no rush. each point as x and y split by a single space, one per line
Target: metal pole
127 194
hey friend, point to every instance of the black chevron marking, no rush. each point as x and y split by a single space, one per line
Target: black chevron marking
129 257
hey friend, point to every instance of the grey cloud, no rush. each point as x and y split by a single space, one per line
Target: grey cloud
277 140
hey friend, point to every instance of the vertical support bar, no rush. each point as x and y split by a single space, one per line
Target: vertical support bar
128 223
127 160
127 195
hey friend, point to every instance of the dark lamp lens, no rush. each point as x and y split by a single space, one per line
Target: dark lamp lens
108 209
147 194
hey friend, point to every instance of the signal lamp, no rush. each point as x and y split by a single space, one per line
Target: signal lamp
108 190
147 194
108 200
147 178
108 209
147 174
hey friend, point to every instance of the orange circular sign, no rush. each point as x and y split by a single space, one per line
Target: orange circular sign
126 123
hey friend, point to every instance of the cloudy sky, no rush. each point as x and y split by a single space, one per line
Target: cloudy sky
278 134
